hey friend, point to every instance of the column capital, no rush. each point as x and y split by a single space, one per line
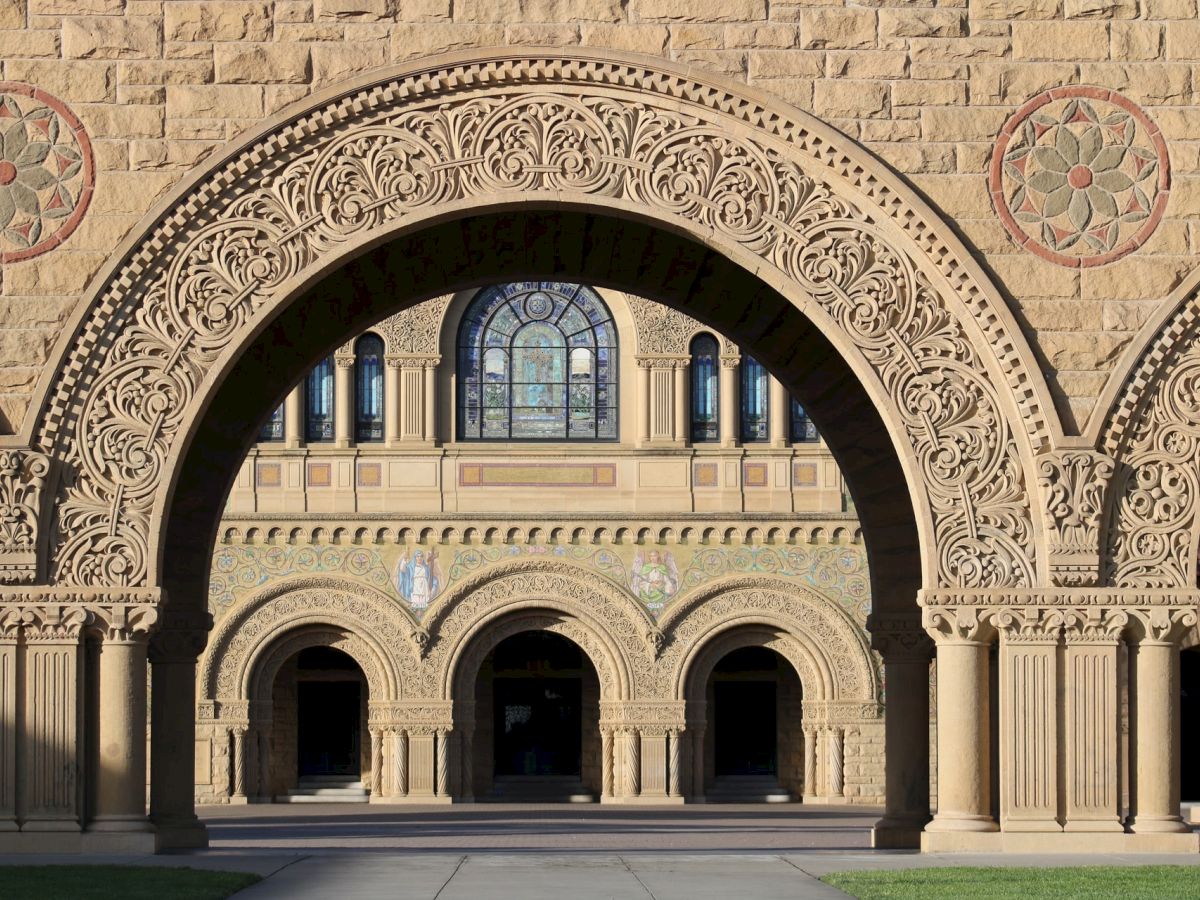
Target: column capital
1094 626
958 625
1028 625
413 360
23 479
1162 624
343 362
1073 484
730 362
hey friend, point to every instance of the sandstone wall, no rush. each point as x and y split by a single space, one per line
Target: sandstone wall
926 85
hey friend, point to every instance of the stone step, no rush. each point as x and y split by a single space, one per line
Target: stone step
747 789
549 789
322 798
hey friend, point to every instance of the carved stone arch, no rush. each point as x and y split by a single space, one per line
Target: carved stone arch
833 641
226 668
1151 431
262 669
608 620
811 669
464 666
822 225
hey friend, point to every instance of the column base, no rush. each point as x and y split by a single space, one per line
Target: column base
1057 842
898 834
956 824
1095 826
182 835
1158 825
237 800
410 800
645 801
121 824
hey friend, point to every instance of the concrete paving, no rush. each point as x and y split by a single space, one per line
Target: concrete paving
533 852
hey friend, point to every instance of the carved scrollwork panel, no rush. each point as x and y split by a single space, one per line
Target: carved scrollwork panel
709 161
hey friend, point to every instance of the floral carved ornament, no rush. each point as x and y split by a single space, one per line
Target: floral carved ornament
709 163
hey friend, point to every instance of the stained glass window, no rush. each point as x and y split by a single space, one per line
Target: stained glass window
755 400
537 361
706 358
318 419
272 429
803 429
368 389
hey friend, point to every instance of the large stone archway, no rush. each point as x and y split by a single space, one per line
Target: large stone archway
753 217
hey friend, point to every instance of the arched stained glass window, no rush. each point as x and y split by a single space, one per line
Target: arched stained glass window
272 429
706 387
368 389
537 361
755 400
318 402
803 429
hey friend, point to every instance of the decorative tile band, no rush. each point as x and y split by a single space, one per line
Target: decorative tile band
320 474
704 475
755 475
1080 176
269 475
551 475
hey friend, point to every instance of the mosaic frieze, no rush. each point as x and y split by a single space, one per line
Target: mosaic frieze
417 574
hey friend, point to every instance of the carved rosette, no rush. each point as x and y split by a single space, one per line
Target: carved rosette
1074 484
594 131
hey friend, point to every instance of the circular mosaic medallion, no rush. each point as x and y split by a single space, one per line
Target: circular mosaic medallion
1080 176
538 305
46 172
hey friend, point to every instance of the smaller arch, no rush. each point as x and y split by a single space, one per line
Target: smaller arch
705 353
319 402
368 388
261 677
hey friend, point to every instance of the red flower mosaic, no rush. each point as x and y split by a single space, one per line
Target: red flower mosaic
46 172
1080 176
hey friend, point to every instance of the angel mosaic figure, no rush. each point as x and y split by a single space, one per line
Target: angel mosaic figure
419 577
654 577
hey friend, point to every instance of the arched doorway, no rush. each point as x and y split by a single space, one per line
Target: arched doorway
319 710
537 721
753 726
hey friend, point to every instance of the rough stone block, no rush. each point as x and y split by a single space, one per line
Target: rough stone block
866 64
12 13
1060 40
80 81
362 10
917 22
332 63
650 39
1100 9
841 29
255 63
214 101
110 37
1015 9
786 64
226 20
845 99
698 10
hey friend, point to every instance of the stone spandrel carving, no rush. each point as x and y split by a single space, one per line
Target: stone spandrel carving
415 330
23 501
661 330
1073 484
709 161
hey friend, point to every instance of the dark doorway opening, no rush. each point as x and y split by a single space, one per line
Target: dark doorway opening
329 695
1189 717
745 719
537 721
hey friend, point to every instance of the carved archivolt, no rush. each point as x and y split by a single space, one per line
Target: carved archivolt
229 664
828 643
266 666
827 227
698 668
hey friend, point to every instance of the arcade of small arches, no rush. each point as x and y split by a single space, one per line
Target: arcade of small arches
1068 560
603 702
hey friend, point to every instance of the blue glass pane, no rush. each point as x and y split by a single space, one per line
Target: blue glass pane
272 429
368 377
318 419
803 429
540 376
754 400
705 389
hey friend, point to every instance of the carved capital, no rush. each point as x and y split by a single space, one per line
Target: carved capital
344 362
121 624
961 624
23 500
1094 626
1073 485
54 624
1162 624
1028 625
730 362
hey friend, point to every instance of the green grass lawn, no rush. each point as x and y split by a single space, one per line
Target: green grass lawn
1166 882
124 882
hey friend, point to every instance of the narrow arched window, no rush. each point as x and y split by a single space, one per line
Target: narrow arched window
368 389
803 429
755 393
537 361
706 387
272 429
318 407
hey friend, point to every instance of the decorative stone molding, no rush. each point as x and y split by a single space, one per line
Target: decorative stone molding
826 225
966 624
1074 484
661 330
23 513
415 331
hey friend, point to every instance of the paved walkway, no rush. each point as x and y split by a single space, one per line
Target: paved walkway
533 852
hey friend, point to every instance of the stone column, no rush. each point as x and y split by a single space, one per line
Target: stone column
293 417
430 401
606 763
10 630
121 791
643 402
391 400
50 779
633 762
777 422
412 400
239 765
400 763
674 788
730 401
963 715
1028 719
1091 773
467 765
906 651
376 763
682 406
837 774
173 655
810 763
443 762
1156 724
698 762
343 400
